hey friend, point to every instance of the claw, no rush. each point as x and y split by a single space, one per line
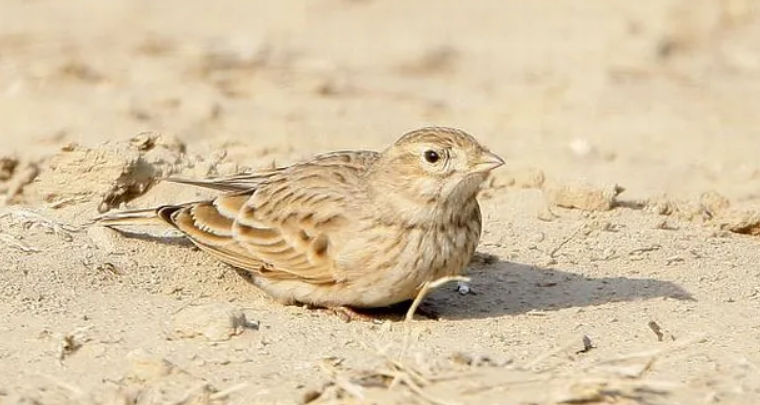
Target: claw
348 314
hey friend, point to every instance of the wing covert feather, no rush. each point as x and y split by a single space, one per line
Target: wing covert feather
286 226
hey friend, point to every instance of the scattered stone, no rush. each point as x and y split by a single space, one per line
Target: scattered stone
655 327
103 238
545 214
713 202
478 360
148 367
665 226
8 165
582 196
334 86
24 176
216 322
463 288
81 71
440 59
224 55
588 345
696 211
529 177
581 147
14 176
70 342
712 208
155 380
743 222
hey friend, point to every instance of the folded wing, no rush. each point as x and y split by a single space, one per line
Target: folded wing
287 226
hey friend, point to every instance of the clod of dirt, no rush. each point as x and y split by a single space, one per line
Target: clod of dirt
712 209
147 141
14 176
103 238
154 380
234 54
478 360
113 173
714 202
216 322
71 342
582 196
8 165
744 222
81 71
528 177
686 210
148 367
441 59
710 205
334 86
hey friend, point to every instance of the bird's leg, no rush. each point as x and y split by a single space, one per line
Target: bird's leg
428 312
423 310
346 314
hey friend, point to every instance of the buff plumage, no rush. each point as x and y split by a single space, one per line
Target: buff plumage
351 228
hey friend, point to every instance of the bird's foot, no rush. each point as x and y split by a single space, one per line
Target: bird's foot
423 310
346 314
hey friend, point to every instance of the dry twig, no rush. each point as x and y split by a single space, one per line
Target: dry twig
425 290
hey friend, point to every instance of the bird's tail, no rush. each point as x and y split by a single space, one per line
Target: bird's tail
148 216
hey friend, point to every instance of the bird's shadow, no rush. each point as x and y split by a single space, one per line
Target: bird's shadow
171 238
501 287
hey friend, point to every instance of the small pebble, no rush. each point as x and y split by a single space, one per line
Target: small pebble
463 288
147 366
216 322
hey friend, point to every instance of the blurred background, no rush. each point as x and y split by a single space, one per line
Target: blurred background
657 95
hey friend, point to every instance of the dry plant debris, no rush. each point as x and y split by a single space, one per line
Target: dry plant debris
425 290
463 377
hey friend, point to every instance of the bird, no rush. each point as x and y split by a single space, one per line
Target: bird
350 229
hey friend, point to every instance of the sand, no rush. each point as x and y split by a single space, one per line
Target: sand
620 261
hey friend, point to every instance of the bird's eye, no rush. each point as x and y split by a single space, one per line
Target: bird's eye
431 156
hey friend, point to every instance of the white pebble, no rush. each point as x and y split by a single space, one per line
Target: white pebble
463 288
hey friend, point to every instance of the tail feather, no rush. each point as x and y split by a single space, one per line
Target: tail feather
238 183
236 190
148 216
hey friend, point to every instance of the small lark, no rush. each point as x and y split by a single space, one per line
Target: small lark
355 229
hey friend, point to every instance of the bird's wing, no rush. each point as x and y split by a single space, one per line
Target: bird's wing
239 182
285 228
248 181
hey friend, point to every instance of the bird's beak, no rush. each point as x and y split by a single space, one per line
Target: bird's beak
488 161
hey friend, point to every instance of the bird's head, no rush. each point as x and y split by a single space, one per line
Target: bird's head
433 166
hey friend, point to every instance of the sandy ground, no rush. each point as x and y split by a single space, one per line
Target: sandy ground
661 281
